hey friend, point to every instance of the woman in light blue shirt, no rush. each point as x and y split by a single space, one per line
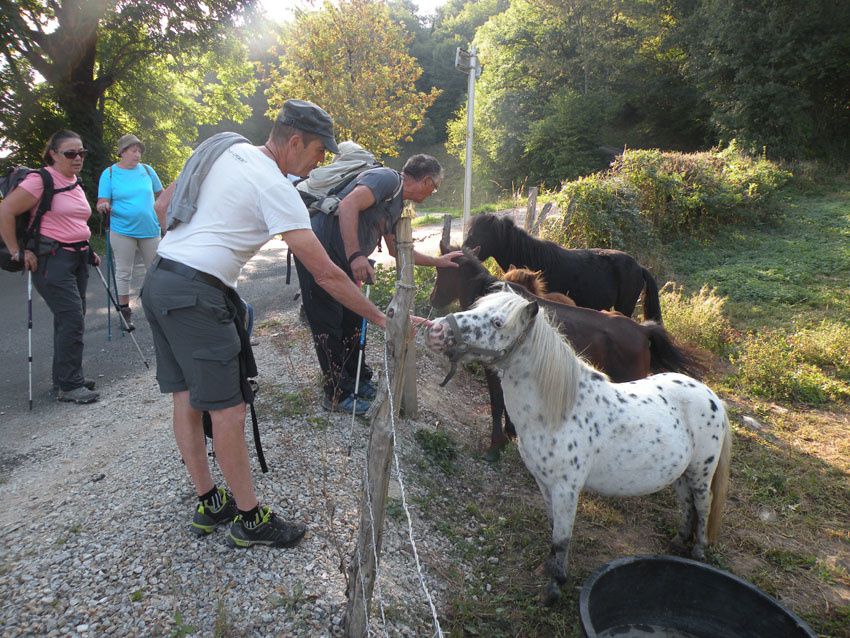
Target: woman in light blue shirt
127 192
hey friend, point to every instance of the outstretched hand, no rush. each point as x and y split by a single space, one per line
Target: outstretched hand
446 261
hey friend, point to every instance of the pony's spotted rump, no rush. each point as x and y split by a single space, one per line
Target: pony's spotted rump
578 430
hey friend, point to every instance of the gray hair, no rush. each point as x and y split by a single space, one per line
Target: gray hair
421 166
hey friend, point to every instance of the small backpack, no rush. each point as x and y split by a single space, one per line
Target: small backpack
26 233
321 188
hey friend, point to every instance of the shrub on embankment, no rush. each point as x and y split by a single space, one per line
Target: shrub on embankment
650 196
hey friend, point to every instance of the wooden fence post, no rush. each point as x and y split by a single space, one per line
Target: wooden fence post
447 231
409 398
544 213
531 209
363 566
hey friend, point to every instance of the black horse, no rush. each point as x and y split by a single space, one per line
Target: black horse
593 277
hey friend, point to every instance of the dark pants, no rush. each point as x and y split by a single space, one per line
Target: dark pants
336 336
61 280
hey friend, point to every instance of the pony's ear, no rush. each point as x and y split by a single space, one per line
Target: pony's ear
475 250
444 248
511 267
531 310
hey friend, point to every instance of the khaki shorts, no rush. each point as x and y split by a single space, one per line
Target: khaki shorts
197 345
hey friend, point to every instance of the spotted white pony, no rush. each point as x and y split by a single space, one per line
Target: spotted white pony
578 430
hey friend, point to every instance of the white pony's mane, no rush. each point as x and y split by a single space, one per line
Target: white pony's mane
555 367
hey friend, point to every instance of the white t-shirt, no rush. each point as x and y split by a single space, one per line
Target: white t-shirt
244 201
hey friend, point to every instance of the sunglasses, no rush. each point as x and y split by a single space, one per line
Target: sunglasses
72 154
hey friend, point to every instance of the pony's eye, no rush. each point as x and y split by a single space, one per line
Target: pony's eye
497 322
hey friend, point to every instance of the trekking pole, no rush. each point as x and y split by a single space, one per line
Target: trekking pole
357 378
29 328
127 328
108 306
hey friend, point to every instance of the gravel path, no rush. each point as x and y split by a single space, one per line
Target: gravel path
94 528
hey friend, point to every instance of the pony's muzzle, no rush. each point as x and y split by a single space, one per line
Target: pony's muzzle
439 337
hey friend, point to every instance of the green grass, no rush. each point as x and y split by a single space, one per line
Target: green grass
795 271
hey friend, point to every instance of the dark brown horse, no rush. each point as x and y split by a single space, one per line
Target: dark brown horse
619 346
593 277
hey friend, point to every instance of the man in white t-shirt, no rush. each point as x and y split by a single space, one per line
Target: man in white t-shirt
190 302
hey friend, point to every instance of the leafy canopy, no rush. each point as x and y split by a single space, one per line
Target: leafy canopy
158 68
352 60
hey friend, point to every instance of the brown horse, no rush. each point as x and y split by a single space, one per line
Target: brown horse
535 283
617 345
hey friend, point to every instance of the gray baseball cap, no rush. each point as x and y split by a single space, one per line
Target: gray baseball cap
310 118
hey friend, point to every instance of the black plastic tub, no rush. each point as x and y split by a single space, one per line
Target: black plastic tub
670 597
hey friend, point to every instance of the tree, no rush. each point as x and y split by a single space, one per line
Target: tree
547 60
775 72
352 60
83 63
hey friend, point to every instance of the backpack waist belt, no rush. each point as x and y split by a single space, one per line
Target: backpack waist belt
77 245
190 273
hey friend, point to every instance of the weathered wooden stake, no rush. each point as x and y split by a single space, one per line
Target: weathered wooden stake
531 209
446 239
362 568
544 213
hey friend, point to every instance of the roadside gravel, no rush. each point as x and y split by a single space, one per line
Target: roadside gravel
93 533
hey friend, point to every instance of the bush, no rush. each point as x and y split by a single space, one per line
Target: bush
771 365
827 346
682 194
601 211
698 319
384 287
649 194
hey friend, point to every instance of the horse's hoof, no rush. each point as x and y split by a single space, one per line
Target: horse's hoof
698 553
551 594
677 548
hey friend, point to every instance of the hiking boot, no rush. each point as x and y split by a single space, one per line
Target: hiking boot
367 390
128 317
206 518
345 405
78 395
267 529
89 384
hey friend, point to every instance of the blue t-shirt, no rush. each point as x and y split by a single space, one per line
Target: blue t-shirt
131 195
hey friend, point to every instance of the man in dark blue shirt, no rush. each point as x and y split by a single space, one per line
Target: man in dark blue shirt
369 208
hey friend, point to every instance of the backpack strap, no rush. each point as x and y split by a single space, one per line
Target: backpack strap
46 202
397 190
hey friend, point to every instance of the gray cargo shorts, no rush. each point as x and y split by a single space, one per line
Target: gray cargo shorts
196 342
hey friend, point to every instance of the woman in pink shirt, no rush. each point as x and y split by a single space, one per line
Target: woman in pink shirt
59 258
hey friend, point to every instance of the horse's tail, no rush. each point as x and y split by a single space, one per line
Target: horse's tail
666 356
651 302
720 485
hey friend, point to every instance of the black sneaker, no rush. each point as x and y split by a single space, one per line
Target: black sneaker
268 529
206 518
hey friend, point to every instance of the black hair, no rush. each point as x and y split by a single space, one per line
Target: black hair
55 141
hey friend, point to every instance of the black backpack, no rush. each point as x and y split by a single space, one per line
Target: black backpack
26 233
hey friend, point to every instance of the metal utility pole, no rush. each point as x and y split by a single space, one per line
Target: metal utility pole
467 61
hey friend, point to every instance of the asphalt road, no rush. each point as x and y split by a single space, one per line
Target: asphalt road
263 284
